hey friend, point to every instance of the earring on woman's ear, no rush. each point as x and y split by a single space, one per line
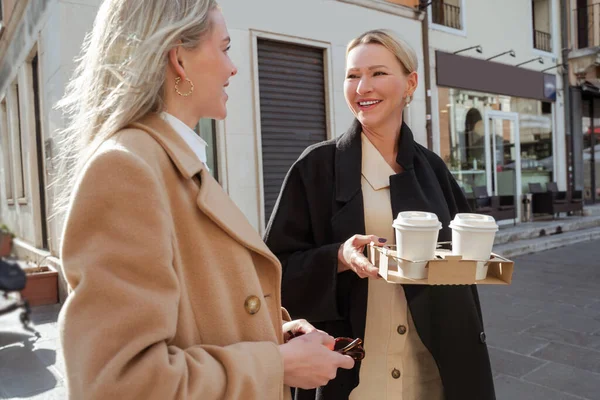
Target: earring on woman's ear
407 100
178 81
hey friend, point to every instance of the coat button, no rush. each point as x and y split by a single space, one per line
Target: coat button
252 305
401 329
395 373
482 337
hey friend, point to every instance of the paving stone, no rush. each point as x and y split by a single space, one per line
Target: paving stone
57 393
517 343
43 314
497 309
47 331
508 387
29 384
567 379
558 308
513 364
9 338
507 324
574 356
555 279
546 295
50 353
19 360
593 295
596 341
565 321
594 306
553 333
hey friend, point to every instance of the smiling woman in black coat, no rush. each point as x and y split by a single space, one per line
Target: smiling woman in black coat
421 342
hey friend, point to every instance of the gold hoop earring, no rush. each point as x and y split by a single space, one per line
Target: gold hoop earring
178 81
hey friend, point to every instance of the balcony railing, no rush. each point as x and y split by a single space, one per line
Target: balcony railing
445 14
542 41
588 26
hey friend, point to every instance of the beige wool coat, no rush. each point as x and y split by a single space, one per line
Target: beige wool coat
175 295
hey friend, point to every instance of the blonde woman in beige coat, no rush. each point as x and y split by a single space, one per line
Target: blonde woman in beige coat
174 294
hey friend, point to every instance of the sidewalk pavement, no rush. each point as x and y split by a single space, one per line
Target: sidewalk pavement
30 367
543 332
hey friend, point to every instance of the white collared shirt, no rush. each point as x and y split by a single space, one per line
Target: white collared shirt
196 143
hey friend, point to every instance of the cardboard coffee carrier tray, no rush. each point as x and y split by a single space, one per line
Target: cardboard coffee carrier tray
445 269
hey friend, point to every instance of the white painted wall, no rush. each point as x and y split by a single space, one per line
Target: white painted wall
498 27
56 28
328 23
61 38
23 217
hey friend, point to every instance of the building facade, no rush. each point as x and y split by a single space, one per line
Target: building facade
287 94
37 47
584 74
497 106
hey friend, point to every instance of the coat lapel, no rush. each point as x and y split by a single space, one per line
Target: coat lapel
405 191
219 207
349 219
211 199
349 216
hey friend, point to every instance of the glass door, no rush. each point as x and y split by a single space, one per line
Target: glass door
591 149
503 156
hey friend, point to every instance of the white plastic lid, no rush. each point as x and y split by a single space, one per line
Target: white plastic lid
480 222
417 220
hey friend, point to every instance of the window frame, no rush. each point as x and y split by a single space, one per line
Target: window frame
327 49
212 148
553 31
447 29
6 140
15 129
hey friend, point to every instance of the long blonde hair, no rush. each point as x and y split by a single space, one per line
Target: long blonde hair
391 41
121 72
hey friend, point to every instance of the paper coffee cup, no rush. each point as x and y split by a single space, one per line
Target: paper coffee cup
473 238
416 239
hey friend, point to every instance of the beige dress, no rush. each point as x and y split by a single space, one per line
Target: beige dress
397 365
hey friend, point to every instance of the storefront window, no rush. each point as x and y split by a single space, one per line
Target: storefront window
591 160
463 139
535 131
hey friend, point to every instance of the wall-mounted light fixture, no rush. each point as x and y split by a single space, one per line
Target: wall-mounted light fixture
555 66
539 59
511 52
477 48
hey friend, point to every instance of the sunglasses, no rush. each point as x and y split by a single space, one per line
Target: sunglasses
343 345
350 347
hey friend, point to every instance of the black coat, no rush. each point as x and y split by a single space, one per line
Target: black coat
320 206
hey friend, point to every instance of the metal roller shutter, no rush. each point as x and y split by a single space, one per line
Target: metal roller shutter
292 108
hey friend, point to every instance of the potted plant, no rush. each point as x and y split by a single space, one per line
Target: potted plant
6 239
42 284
